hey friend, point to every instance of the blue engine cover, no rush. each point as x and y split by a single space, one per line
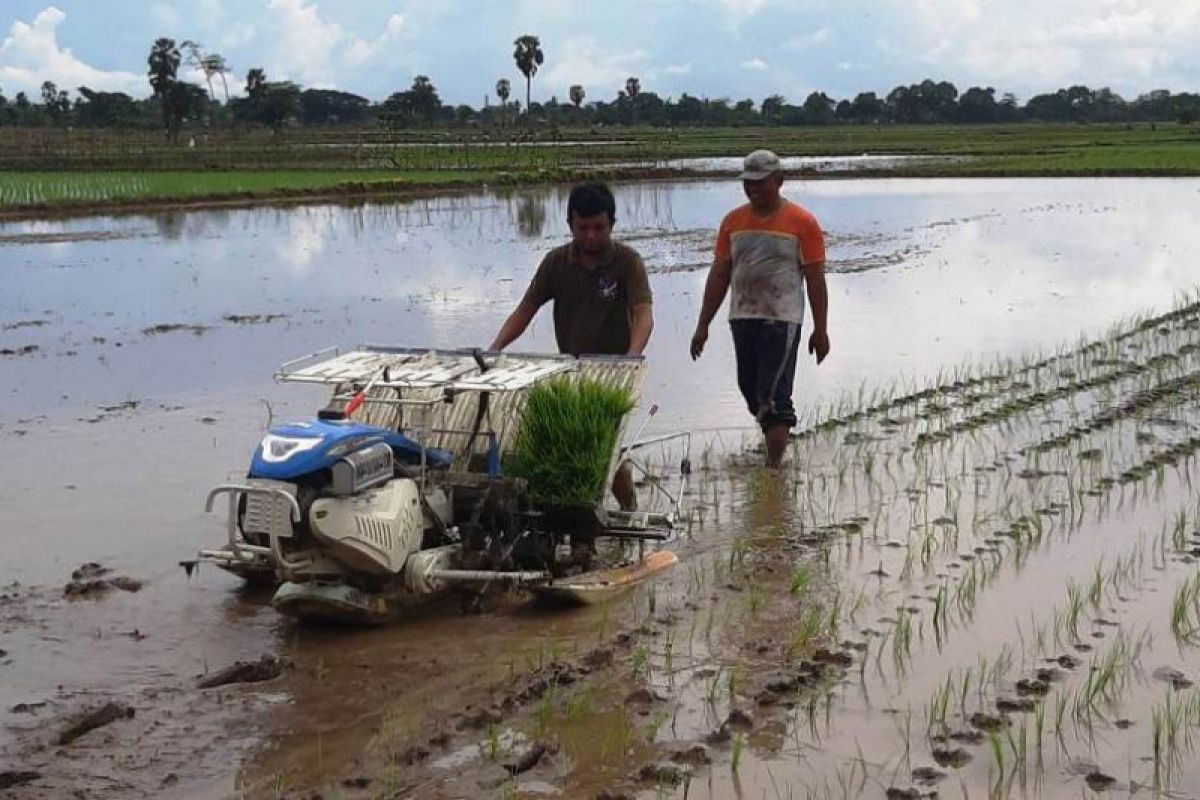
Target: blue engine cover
297 449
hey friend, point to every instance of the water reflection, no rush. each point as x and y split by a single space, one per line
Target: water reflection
926 273
531 216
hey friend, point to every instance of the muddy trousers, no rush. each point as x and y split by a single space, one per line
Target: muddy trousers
766 368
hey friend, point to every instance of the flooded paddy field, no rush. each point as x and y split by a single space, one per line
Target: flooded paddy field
976 575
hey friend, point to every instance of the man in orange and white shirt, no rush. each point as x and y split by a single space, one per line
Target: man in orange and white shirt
768 252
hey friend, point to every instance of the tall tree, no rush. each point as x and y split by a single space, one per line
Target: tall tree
49 94
503 90
279 102
182 101
328 106
772 109
528 55
105 109
866 107
424 101
818 109
256 82
193 53
577 95
633 87
164 66
208 63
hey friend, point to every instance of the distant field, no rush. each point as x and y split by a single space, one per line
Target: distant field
50 188
94 168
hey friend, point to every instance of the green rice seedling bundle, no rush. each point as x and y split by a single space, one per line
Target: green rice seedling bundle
566 440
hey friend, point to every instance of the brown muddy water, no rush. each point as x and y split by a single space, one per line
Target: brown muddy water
922 556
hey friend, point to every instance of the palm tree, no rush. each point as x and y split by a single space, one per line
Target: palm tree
503 89
164 63
215 64
633 87
528 55
256 82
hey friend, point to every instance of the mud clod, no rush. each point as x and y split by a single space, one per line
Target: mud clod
598 659
26 708
1007 705
1036 687
988 722
644 696
784 684
661 774
413 754
694 756
92 580
1050 675
739 720
1098 781
719 736
528 760
480 718
252 319
1170 675
265 669
91 720
956 757
927 775
11 778
837 658
172 327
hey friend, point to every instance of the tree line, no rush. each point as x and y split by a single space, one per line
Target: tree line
175 103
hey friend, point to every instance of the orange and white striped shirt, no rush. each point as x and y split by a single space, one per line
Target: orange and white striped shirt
769 255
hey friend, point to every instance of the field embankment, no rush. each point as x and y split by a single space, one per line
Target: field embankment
63 171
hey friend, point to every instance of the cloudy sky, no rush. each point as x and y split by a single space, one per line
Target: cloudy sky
714 48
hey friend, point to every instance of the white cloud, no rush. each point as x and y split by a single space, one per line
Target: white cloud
165 15
583 60
1123 43
819 36
679 69
742 8
754 63
31 54
314 51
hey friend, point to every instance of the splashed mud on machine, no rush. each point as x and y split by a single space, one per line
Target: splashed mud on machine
397 488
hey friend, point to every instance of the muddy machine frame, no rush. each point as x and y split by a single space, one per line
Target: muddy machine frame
397 488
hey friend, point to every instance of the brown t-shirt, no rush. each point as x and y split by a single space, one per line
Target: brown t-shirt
592 305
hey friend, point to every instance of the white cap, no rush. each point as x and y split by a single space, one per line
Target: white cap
760 164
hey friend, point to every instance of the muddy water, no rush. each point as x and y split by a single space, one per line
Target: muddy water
155 337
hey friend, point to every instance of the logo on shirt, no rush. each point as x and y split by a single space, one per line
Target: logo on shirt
607 287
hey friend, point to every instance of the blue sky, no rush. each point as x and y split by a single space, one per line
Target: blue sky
714 48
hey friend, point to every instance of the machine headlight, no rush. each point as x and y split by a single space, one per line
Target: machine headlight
281 448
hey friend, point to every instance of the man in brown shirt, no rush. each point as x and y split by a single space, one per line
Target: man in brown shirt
602 303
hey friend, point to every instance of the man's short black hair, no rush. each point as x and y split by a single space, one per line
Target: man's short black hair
590 199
